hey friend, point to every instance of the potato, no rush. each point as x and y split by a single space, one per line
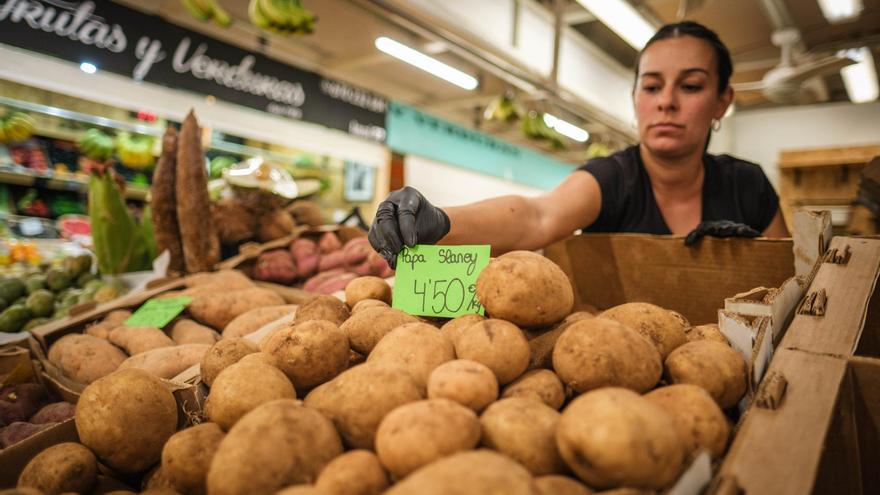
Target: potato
468 473
498 344
116 317
454 327
356 472
240 388
66 467
105 485
156 480
541 347
523 429
218 309
136 340
85 358
278 444
617 357
554 484
660 326
466 382
232 279
18 431
526 289
716 367
300 490
416 347
368 303
255 319
101 330
309 353
706 332
368 326
187 456
125 418
612 437
185 331
542 385
358 399
54 413
363 288
222 354
167 362
323 307
698 419
259 358
416 434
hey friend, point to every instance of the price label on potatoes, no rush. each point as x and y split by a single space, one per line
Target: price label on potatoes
439 280
157 312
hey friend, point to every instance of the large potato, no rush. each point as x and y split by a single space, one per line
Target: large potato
309 353
243 387
416 434
542 385
523 429
278 444
706 332
603 353
554 484
416 347
356 472
186 331
498 344
253 320
612 437
218 309
366 328
85 358
698 419
658 325
66 467
716 367
363 288
525 288
358 399
187 456
323 307
454 327
222 354
136 340
468 473
125 418
467 382
368 303
167 362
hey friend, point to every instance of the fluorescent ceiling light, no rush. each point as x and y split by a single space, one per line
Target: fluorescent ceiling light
623 19
88 68
566 128
860 78
840 10
426 63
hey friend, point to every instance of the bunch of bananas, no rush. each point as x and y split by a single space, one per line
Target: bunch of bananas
503 108
281 16
16 126
96 145
534 127
208 10
135 151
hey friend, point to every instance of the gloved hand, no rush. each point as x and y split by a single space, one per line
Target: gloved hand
719 228
406 217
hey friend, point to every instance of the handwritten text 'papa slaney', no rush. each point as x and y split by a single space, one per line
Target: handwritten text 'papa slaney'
78 22
444 257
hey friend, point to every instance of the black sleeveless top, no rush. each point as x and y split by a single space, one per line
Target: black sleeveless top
733 190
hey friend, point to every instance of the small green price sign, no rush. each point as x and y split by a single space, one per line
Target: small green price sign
439 280
157 312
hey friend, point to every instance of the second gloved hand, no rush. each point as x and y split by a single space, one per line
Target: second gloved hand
406 218
719 228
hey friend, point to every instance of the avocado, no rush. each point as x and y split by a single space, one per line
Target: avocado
41 303
71 298
12 319
84 279
93 284
57 279
12 288
107 293
34 323
35 283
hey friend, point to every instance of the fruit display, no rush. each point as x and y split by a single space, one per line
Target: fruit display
135 151
16 126
534 127
281 16
33 295
96 145
353 396
208 10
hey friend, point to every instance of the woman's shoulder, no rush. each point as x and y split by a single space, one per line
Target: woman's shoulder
737 169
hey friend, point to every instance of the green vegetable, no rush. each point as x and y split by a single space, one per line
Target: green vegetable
41 303
119 241
94 284
107 293
57 279
83 280
34 283
87 295
14 318
12 289
3 304
71 298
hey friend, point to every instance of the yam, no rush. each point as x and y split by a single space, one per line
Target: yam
323 307
167 362
541 385
698 419
136 340
617 356
660 326
187 457
309 353
356 472
163 202
185 331
255 319
498 344
363 288
56 412
18 431
230 279
84 358
716 367
467 473
241 388
369 326
125 418
416 347
66 467
224 353
526 289
466 382
218 310
523 429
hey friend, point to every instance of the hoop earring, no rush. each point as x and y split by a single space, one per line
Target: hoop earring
716 125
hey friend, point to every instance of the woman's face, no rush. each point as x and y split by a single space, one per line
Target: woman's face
676 96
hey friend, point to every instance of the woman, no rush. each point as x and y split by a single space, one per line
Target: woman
667 184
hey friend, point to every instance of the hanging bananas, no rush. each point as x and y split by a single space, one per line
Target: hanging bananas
282 17
534 127
135 151
208 10
17 126
503 108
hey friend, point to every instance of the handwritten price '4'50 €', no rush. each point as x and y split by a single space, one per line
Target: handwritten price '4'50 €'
446 295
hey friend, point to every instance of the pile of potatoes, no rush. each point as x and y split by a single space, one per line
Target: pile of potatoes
358 398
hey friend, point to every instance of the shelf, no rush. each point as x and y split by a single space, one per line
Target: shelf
18 176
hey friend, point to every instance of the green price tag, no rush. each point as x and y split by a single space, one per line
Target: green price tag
439 280
158 312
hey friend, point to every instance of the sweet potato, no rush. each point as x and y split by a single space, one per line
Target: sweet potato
117 317
275 225
230 279
55 412
276 266
18 431
163 202
201 245
136 340
100 330
306 257
167 362
312 284
356 251
335 284
329 243
331 261
85 358
255 319
306 213
218 310
20 402
185 331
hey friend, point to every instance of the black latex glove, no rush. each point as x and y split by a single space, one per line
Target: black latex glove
406 217
719 228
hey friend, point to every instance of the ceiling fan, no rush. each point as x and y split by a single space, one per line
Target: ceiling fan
793 80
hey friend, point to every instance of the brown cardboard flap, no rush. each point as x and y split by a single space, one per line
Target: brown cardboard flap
611 269
13 459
